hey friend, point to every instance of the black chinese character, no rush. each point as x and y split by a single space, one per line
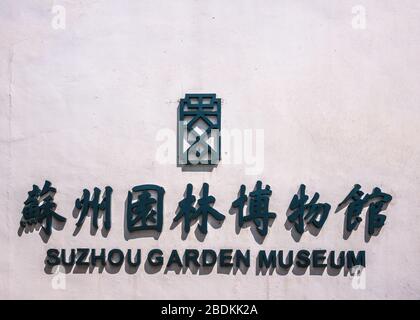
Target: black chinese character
204 209
313 213
39 207
85 204
258 207
355 202
147 212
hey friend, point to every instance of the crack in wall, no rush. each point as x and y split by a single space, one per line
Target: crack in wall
9 169
10 68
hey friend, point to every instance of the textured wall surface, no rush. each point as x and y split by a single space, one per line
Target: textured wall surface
82 107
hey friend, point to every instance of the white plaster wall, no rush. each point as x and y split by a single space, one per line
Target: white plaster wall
82 107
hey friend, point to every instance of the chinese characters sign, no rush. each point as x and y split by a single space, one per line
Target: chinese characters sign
145 208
